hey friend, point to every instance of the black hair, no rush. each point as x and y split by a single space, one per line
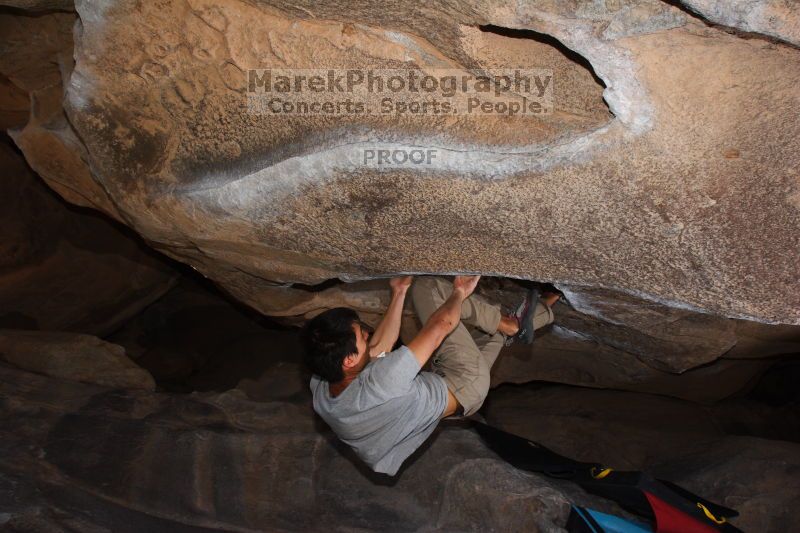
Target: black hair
327 339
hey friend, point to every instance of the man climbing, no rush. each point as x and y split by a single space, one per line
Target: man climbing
378 401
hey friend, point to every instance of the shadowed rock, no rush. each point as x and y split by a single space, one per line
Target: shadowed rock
705 449
73 357
220 461
63 270
163 462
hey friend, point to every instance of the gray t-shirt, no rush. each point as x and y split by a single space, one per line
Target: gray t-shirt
387 412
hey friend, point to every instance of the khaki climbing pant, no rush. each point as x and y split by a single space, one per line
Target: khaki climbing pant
466 355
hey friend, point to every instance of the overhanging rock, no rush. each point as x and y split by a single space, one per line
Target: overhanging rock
687 193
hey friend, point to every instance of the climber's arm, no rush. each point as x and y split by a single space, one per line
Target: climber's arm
443 321
387 332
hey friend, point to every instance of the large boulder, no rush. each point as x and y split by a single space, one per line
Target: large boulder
681 194
668 224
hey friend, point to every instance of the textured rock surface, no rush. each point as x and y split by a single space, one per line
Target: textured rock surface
687 195
199 338
776 18
661 195
73 357
600 338
167 462
158 462
638 216
561 357
66 270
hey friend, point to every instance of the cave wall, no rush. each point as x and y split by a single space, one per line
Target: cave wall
63 269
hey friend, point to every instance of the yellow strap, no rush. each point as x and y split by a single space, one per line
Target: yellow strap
710 515
602 473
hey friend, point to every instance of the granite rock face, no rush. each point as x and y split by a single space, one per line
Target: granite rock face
708 450
776 18
660 194
683 190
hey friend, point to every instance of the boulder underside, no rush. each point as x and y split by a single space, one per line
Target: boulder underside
667 168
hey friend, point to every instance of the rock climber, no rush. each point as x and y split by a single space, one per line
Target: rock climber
378 401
